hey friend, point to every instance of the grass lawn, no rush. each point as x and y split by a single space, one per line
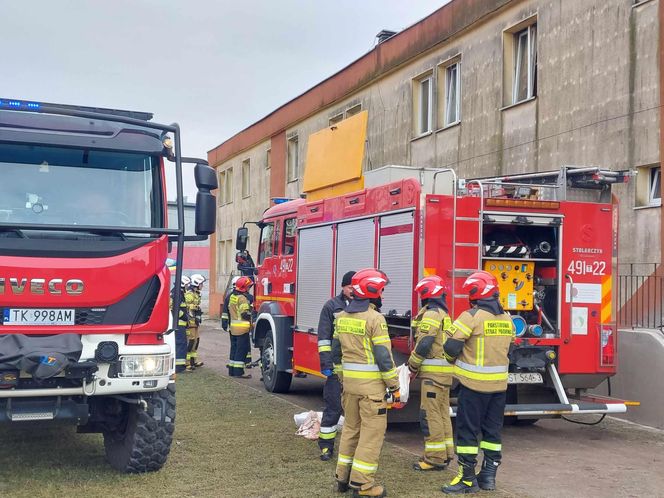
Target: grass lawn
229 441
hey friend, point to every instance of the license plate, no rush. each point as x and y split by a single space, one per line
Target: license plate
38 316
525 378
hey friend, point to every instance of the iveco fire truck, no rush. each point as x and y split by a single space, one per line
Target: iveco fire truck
550 238
85 329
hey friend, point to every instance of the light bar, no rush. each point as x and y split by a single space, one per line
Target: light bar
280 200
519 203
18 105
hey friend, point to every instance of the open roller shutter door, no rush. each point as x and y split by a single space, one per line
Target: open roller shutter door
396 259
355 248
314 273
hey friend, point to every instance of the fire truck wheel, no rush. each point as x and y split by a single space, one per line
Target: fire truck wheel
142 442
273 380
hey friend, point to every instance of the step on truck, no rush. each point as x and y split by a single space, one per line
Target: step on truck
86 335
550 238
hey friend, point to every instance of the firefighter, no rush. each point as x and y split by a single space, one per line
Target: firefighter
239 311
362 344
193 299
332 388
181 329
427 361
478 343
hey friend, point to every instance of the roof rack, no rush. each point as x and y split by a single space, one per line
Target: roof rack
25 105
558 181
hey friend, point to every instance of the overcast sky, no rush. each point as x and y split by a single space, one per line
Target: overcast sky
213 66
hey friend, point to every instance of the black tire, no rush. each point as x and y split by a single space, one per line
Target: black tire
273 380
142 442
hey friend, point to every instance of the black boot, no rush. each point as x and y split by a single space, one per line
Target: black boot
326 454
464 482
487 476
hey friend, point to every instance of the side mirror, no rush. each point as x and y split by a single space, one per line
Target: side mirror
206 204
205 177
241 238
206 213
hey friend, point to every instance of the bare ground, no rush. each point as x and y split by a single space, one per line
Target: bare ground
553 458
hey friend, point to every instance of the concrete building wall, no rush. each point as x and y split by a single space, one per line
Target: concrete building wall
597 104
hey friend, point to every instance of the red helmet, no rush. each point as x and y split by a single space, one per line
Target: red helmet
369 283
432 286
480 285
243 284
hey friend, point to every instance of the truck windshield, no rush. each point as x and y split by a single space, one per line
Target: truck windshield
65 186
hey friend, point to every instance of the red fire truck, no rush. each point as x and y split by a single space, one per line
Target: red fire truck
85 329
550 238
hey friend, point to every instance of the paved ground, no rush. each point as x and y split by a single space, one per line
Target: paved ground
553 458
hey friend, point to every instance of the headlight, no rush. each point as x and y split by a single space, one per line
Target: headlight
143 365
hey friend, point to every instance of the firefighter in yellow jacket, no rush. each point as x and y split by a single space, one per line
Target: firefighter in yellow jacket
180 329
361 343
239 310
479 342
192 297
427 361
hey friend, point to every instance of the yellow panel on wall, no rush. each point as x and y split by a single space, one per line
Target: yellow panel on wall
515 279
334 158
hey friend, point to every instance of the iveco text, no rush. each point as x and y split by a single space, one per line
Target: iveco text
73 286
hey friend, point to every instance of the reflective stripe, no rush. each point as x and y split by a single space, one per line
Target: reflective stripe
329 429
435 446
380 339
368 350
459 372
352 374
360 367
431 321
236 364
481 369
324 342
463 328
345 459
467 450
323 349
327 435
479 355
436 369
436 365
435 361
485 445
224 315
390 374
449 441
367 467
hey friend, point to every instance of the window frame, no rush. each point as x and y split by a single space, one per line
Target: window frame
285 236
531 64
351 111
337 118
246 169
268 158
228 193
457 106
289 159
654 180
420 96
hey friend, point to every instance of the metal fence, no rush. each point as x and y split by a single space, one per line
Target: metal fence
640 299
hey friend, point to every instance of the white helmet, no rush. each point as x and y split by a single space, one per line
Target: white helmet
235 279
197 279
185 281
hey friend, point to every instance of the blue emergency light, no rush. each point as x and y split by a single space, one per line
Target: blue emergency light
280 200
19 105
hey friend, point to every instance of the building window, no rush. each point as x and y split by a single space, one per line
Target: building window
221 195
353 110
452 104
655 195
228 186
293 159
225 257
246 178
525 64
649 186
422 104
268 159
336 118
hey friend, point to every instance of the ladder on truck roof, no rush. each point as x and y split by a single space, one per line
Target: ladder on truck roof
548 185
